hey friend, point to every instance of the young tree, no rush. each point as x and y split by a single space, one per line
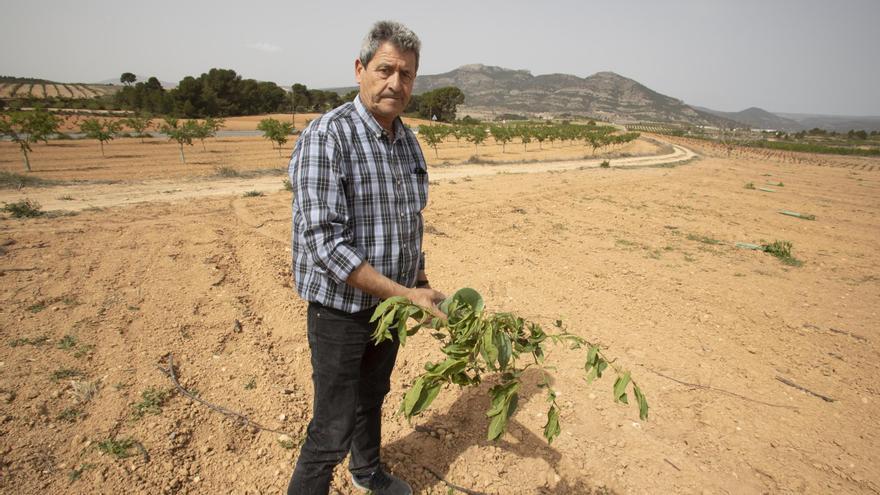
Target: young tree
431 136
127 78
208 129
276 131
25 128
502 135
476 134
182 133
138 124
102 131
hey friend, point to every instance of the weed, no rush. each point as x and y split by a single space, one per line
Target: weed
71 414
689 258
117 448
82 391
624 242
25 208
288 186
253 194
133 308
76 473
67 342
151 402
36 308
251 384
64 373
703 239
227 172
782 250
84 350
36 341
66 197
750 185
605 164
10 180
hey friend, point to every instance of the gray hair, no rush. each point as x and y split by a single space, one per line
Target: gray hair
392 32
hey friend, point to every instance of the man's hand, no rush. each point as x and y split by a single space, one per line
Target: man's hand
427 298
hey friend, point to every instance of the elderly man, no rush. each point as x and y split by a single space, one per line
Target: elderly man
360 184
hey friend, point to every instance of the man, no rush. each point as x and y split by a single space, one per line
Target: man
360 184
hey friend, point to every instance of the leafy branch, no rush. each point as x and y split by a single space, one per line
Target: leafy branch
477 343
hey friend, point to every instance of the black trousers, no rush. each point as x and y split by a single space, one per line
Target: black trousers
351 377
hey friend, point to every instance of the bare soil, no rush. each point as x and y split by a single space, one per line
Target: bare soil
641 260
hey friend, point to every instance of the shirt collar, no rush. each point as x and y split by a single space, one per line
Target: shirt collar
373 126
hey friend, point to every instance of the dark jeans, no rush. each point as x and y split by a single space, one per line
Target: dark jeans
351 376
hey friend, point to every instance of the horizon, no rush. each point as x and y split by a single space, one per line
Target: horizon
786 57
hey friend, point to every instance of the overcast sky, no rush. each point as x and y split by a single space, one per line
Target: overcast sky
784 56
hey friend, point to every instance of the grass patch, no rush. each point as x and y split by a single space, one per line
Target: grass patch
76 473
36 341
10 180
749 185
782 250
64 373
82 391
66 197
227 172
117 448
251 384
624 242
253 194
151 402
71 414
605 164
703 239
67 342
25 208
288 186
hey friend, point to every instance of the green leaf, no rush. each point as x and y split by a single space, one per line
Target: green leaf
497 426
401 331
600 367
551 428
490 352
643 402
502 342
592 355
384 305
472 298
620 387
412 397
427 396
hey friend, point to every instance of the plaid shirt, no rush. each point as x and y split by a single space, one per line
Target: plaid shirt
358 196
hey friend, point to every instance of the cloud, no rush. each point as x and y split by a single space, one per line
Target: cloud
265 47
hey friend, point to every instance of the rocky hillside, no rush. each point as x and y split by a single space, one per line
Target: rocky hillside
757 118
605 95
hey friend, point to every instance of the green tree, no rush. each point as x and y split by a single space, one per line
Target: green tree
276 131
208 129
25 128
102 131
441 103
432 136
138 124
183 133
502 135
127 78
476 134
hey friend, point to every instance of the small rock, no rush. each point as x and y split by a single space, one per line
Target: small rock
282 417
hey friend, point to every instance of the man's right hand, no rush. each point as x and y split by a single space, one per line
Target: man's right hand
427 298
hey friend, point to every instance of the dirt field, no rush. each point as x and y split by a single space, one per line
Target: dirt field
640 260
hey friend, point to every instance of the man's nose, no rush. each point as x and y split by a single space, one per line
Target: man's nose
394 82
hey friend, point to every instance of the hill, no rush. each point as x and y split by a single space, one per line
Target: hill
604 95
24 87
757 118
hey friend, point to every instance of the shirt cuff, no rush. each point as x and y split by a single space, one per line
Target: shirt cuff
342 262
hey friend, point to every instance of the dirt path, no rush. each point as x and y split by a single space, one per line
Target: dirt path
85 196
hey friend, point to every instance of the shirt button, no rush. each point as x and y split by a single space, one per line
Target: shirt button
402 215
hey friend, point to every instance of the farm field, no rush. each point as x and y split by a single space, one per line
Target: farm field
641 260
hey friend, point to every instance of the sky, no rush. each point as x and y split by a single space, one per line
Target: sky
796 56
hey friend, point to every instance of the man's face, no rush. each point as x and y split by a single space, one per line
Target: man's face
386 83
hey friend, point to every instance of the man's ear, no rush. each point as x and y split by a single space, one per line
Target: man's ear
358 70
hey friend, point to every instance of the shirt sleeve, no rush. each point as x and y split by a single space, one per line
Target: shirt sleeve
319 184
